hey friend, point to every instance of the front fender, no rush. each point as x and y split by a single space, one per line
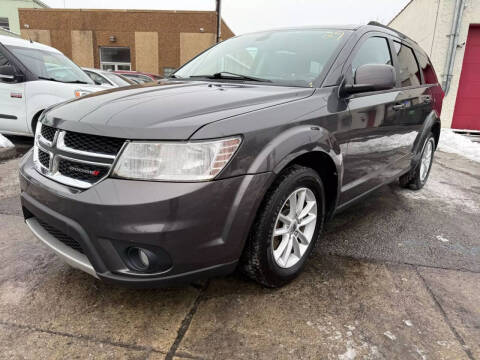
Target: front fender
292 143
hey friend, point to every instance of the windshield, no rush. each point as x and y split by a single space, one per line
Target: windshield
50 65
288 57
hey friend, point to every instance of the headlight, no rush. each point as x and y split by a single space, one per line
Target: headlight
175 161
80 93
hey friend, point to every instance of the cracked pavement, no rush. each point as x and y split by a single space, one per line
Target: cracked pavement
396 276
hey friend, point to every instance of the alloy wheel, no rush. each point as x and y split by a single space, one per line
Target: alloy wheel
426 160
294 227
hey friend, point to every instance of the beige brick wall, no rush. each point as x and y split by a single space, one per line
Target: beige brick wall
191 44
41 36
417 21
82 48
146 51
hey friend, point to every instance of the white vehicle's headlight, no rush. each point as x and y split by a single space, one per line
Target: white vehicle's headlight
80 93
175 161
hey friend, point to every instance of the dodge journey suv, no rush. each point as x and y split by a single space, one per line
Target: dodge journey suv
237 160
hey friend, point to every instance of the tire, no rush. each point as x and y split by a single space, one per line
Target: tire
258 260
417 178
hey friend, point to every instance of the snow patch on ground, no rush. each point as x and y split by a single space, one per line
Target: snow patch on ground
441 238
459 144
390 335
350 354
4 142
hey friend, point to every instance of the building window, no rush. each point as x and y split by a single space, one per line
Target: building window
4 23
115 58
167 71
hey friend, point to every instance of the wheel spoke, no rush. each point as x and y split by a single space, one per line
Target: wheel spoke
292 200
302 238
288 250
277 253
306 209
280 231
296 247
301 200
307 220
285 219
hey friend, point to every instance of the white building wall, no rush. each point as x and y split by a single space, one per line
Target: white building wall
417 21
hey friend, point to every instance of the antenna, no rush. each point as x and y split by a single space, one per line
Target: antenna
26 26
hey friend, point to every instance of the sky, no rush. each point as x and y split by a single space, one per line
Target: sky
243 16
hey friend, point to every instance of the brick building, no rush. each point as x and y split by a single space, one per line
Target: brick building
143 40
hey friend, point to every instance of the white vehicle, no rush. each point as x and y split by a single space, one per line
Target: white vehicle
33 77
107 78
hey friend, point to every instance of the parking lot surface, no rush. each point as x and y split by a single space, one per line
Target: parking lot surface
396 276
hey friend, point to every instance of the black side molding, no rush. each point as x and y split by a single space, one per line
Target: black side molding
9 117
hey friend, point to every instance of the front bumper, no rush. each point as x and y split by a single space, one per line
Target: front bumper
196 229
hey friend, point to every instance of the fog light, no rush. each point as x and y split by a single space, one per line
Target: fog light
141 259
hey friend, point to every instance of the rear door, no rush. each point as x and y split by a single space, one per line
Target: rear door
12 102
414 101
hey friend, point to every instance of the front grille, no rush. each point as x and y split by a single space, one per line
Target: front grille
44 158
60 236
93 143
75 159
81 171
48 132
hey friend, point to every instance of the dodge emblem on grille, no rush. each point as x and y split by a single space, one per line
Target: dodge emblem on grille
84 171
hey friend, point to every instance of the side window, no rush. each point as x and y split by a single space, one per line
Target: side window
427 69
3 59
373 51
409 72
97 78
3 63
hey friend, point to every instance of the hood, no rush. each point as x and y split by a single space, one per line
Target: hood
165 111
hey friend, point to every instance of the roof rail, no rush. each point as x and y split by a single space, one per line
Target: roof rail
376 23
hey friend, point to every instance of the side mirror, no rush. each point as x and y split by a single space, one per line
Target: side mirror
372 77
7 72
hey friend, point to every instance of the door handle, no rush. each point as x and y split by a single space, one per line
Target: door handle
399 107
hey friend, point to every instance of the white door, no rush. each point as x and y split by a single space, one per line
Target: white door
12 103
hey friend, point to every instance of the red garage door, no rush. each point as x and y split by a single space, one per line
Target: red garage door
467 106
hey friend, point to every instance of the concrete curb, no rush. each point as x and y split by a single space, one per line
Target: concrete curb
8 153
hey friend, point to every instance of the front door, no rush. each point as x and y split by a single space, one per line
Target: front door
371 131
12 103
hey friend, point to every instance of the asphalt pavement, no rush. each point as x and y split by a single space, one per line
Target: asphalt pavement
396 276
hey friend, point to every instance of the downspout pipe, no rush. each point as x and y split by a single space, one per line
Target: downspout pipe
452 44
219 20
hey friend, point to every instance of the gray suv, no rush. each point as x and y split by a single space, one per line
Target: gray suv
237 160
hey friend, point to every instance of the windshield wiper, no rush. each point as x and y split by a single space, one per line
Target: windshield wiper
66 82
75 82
231 76
48 78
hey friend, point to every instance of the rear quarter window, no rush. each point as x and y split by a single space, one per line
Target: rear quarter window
429 74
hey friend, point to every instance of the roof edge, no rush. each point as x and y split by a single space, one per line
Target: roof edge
121 10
